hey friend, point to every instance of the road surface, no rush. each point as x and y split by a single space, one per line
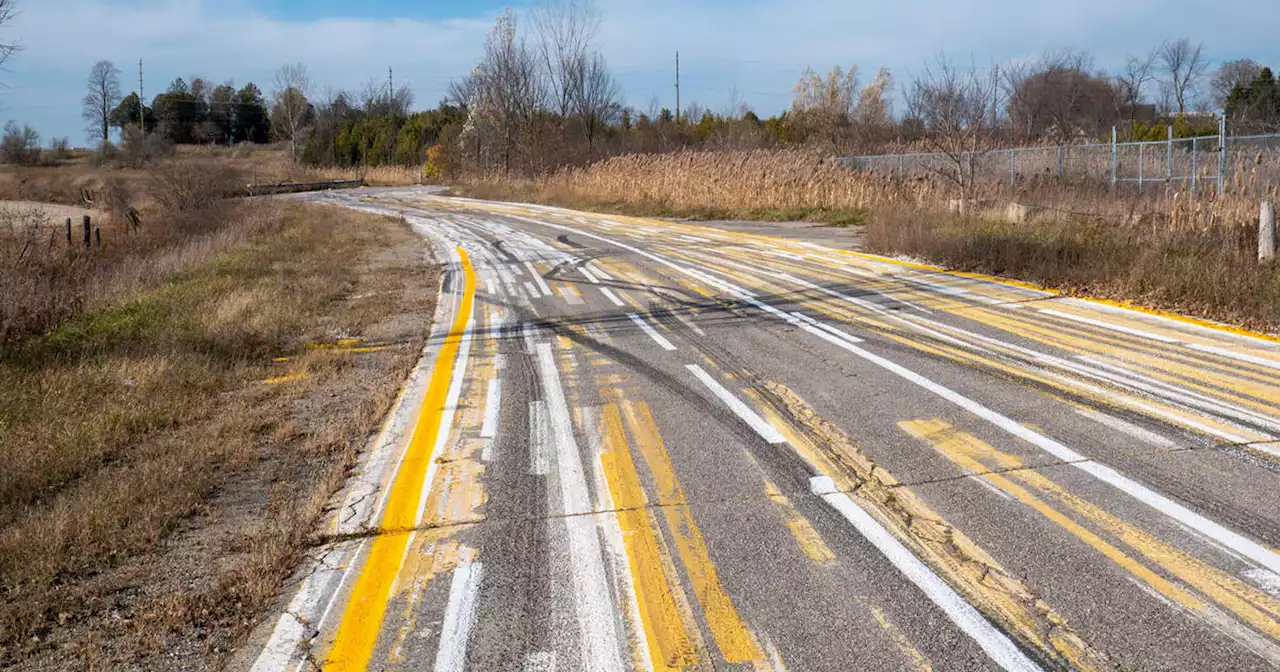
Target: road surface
645 445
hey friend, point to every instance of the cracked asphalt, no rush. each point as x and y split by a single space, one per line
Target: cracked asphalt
636 444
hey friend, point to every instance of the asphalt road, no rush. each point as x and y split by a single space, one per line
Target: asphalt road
645 445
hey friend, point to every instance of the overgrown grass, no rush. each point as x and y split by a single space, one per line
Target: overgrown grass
121 423
1209 271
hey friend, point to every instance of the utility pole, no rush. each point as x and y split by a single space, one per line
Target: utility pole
142 121
391 89
677 86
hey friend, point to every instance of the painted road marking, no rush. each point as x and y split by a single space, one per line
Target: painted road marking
459 616
612 297
1240 356
366 606
758 424
492 401
600 646
995 643
537 277
1144 435
538 432
653 333
588 274
1109 326
532 290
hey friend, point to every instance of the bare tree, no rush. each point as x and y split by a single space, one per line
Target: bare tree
291 113
507 91
597 101
958 111
566 29
8 8
1130 85
1184 63
1240 72
1057 96
102 97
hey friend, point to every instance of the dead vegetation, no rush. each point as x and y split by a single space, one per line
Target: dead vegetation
164 467
1176 249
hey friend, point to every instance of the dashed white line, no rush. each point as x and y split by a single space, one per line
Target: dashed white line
537 277
492 401
758 424
538 438
996 644
459 616
653 333
1260 361
608 293
1108 326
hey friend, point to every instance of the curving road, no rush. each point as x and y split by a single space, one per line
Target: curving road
645 445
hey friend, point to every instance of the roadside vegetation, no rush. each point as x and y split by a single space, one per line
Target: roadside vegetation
178 406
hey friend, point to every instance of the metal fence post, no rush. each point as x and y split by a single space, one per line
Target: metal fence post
1142 156
1222 155
1059 160
1195 170
1168 162
1113 158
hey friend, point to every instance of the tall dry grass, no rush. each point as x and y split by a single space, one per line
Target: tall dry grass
377 176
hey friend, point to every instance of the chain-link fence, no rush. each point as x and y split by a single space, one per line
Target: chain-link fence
1247 162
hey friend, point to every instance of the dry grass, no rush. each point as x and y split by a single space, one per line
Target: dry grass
120 424
377 176
1191 252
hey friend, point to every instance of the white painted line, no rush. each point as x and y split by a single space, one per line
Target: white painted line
653 333
996 644
1144 435
538 438
1217 533
491 404
446 425
1109 326
537 277
599 646
1266 580
539 661
762 427
1243 357
994 490
459 616
588 274
570 297
290 630
600 272
612 297
532 290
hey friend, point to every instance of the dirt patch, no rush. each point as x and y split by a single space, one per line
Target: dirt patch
55 214
211 420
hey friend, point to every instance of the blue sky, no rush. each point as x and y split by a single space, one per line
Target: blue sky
751 49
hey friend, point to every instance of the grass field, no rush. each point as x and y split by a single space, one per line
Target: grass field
176 409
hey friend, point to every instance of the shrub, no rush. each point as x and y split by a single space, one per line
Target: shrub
139 148
21 145
60 149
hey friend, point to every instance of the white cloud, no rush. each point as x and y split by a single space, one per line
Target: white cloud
754 46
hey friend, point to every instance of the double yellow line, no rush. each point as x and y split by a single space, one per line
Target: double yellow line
367 604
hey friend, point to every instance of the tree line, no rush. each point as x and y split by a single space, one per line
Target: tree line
542 97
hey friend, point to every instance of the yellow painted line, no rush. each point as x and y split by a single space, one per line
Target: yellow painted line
670 646
736 642
919 662
1250 604
285 379
960 448
806 536
367 604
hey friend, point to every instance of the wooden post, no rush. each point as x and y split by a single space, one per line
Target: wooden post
68 232
97 236
1267 232
87 231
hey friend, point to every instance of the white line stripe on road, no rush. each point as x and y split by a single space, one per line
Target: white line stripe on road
600 646
1109 326
653 333
537 277
1260 361
612 297
459 616
532 290
538 438
766 431
595 267
996 645
491 403
588 274
1144 435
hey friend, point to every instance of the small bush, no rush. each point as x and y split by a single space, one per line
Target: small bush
20 145
60 149
138 148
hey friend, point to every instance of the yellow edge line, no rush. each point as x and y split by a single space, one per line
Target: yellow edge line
366 606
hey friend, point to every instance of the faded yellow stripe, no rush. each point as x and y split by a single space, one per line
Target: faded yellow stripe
960 447
808 538
1253 606
670 647
366 606
736 642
